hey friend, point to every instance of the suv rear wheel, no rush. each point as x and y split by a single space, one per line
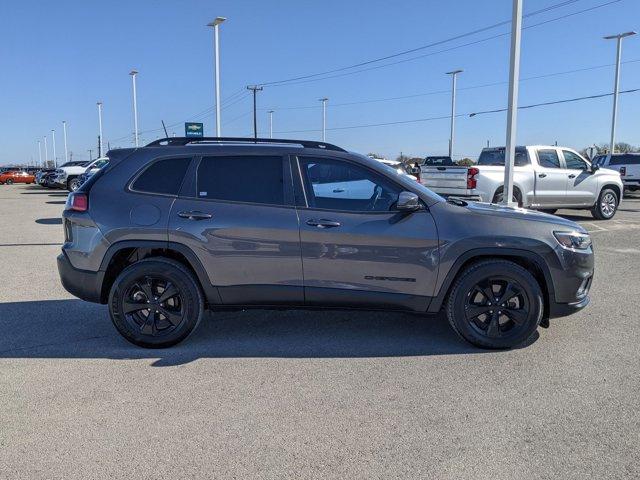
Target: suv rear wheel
156 303
495 304
606 206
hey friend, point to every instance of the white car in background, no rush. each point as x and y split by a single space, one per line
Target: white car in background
68 175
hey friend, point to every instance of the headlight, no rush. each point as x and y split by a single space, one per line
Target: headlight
573 240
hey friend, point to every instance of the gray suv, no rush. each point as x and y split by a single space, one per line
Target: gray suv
182 225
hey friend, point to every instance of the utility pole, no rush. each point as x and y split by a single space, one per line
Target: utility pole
255 89
324 117
616 85
40 152
64 131
133 74
216 49
90 154
454 75
99 129
512 111
53 138
46 152
270 112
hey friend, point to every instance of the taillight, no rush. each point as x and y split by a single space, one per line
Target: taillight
472 182
623 171
77 201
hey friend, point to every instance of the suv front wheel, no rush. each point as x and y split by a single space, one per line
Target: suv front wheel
495 304
156 303
606 206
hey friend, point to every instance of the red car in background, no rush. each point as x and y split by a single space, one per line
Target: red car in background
16 176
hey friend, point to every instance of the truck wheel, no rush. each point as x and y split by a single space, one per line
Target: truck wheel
73 184
156 303
499 196
495 304
606 206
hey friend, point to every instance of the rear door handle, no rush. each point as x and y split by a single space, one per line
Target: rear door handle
322 223
542 175
195 215
573 175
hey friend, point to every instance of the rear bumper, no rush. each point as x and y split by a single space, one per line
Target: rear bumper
80 283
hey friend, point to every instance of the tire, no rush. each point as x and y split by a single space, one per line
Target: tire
9 181
606 206
73 184
173 320
550 211
517 196
505 328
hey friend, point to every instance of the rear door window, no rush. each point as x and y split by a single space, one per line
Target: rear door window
163 176
496 157
548 159
242 178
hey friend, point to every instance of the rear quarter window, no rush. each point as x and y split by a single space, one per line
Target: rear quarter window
162 176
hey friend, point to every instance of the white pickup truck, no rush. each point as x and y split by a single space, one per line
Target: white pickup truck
544 178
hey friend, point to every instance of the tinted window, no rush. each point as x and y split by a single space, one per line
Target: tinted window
254 179
164 176
496 157
548 159
573 161
599 160
626 159
438 162
338 185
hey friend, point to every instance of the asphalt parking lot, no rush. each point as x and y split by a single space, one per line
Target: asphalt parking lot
264 394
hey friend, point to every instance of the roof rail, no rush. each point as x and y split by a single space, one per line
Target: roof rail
181 141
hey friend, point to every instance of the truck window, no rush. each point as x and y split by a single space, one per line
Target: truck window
548 159
496 157
573 161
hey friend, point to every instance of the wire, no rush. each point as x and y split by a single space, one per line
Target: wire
473 114
296 80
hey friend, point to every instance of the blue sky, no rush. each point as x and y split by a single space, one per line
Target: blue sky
58 58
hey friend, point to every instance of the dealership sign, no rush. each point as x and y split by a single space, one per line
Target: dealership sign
193 129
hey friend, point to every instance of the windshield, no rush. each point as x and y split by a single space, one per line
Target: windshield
438 162
599 160
495 156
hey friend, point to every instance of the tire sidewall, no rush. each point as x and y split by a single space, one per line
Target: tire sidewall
598 206
183 280
485 270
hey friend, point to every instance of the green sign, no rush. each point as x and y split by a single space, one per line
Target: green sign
193 129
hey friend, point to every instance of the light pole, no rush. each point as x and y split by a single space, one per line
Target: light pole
100 147
454 75
64 132
40 152
270 112
216 49
133 74
53 138
324 117
616 86
512 110
46 153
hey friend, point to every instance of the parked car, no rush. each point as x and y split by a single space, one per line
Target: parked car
168 229
16 176
628 164
66 176
41 175
93 168
545 178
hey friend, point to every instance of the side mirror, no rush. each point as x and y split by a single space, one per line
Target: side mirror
408 202
594 168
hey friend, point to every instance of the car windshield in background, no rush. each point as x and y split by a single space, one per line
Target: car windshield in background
496 157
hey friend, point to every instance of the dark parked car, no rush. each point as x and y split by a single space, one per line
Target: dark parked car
167 230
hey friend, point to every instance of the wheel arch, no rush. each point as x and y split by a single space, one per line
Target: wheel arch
531 261
612 186
122 254
516 188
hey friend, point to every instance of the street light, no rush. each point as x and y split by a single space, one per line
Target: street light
133 74
616 86
216 24
100 147
270 112
40 152
53 138
454 75
46 153
324 117
64 131
512 110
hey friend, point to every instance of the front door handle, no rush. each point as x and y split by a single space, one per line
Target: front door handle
573 175
195 215
322 223
542 175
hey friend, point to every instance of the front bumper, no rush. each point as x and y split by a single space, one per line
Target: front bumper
572 279
557 310
83 284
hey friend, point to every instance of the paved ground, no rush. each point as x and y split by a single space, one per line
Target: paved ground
310 395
